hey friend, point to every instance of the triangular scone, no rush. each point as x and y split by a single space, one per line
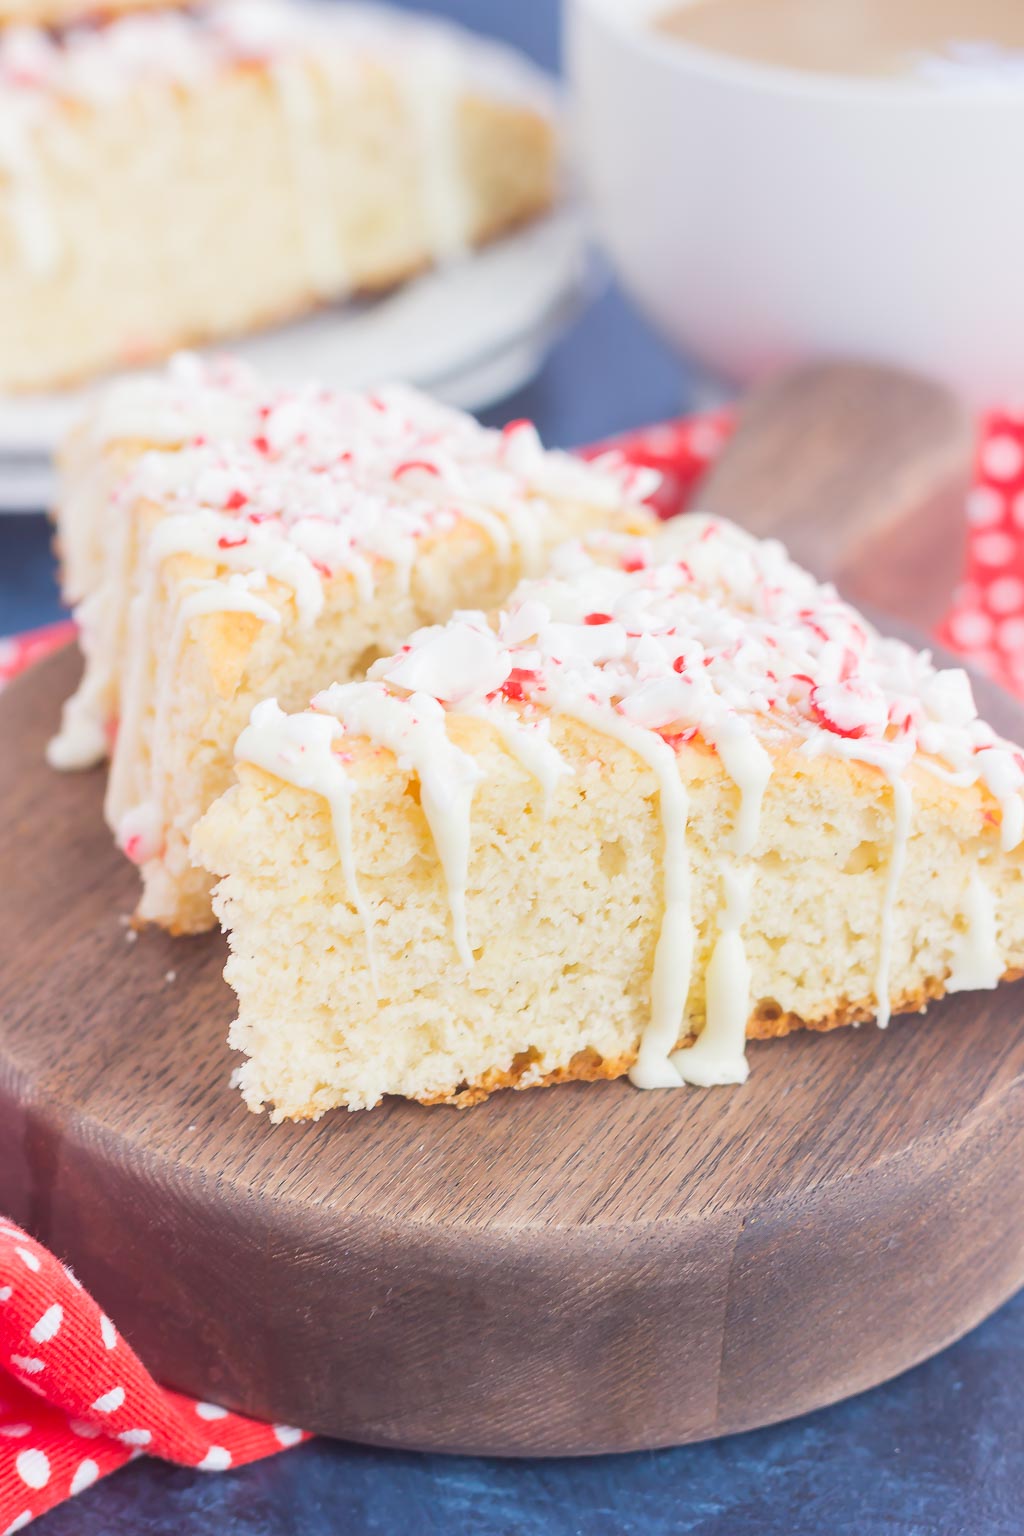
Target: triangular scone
174 177
225 541
66 13
678 789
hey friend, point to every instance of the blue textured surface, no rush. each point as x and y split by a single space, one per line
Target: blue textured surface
939 1452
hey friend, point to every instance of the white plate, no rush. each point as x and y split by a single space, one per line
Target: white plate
471 332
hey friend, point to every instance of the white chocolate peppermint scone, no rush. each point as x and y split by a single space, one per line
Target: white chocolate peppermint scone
174 176
224 541
63 13
677 795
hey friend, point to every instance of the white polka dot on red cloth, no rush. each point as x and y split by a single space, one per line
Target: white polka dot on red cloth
1005 595
211 1411
33 1467
994 548
15 1431
84 1429
662 440
19 1522
287 1435
217 1459
985 507
1002 457
135 1436
27 1364
108 1333
1010 634
48 1325
971 628
109 1402
85 1474
6 1292
704 440
29 1259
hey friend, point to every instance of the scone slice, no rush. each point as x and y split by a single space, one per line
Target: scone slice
227 541
65 13
174 177
676 796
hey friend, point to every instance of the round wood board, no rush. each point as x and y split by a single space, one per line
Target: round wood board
581 1269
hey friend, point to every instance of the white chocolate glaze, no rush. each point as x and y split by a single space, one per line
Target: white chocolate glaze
300 750
296 92
306 486
978 964
81 741
530 744
305 49
902 807
718 1055
673 955
708 636
414 729
432 93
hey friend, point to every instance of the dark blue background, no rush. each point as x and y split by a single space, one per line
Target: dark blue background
940 1452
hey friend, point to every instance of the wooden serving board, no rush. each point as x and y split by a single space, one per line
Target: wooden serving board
581 1269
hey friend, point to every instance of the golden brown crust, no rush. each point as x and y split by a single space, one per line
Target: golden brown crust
766 1023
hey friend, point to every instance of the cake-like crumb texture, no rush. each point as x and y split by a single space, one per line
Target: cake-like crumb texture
226 541
656 809
563 916
178 178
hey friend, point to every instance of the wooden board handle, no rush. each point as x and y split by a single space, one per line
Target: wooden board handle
863 472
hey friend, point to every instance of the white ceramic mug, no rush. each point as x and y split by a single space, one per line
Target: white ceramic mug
764 216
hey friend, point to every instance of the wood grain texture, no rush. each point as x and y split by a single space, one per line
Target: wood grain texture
862 472
581 1269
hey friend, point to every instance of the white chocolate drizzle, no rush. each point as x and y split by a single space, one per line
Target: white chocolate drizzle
312 171
81 742
300 750
306 486
673 954
304 49
529 744
978 963
718 1055
431 98
415 730
902 806
707 636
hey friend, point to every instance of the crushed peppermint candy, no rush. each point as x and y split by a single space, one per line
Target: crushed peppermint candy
258 479
706 631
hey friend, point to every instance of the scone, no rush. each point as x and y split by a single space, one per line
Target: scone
225 541
677 794
63 13
174 177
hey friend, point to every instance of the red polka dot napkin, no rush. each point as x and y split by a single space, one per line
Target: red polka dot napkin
19 651
986 621
75 1401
